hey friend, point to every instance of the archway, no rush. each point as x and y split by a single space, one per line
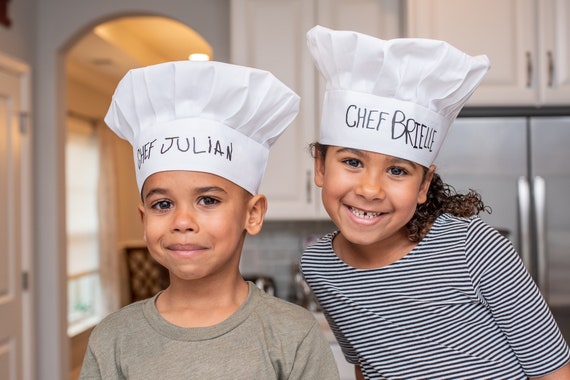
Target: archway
101 194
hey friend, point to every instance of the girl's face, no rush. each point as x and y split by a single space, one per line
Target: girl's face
195 223
370 196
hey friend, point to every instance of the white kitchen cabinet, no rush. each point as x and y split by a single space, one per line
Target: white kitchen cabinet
271 35
526 41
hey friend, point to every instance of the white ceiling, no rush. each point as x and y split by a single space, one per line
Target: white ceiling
102 57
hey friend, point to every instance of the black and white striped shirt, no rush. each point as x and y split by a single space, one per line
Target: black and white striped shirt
459 305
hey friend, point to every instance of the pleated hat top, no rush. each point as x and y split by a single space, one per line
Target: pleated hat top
210 117
397 97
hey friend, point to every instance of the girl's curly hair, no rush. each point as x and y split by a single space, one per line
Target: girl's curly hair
441 199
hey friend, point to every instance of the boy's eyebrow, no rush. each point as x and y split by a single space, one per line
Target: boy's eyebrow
208 189
156 190
199 190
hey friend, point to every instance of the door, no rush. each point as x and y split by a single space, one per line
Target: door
14 312
550 174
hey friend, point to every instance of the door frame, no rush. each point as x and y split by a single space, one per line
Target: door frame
22 70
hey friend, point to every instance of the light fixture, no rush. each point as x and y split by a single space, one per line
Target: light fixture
199 57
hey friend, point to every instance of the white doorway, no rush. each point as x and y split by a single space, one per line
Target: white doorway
15 233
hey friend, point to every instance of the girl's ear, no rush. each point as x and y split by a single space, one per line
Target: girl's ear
424 187
256 208
319 167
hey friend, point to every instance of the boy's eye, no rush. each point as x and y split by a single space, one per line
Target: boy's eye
353 162
208 201
397 171
162 205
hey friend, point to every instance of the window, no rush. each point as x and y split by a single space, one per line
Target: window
82 177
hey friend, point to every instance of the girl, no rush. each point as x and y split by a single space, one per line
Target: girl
414 284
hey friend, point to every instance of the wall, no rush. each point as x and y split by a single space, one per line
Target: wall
18 40
58 25
277 248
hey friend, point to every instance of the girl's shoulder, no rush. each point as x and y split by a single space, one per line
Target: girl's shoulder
447 221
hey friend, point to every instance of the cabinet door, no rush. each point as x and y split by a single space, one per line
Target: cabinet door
270 35
554 52
503 30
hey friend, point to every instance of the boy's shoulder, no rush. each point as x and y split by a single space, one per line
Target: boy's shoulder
276 310
127 318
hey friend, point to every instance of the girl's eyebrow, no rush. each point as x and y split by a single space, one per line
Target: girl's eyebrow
357 152
361 153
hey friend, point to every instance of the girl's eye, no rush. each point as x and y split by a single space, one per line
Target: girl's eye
208 201
162 205
396 171
352 162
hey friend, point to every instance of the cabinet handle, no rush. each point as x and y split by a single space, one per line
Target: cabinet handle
550 68
308 187
528 69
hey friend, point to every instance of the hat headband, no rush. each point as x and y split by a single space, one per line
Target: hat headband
200 145
383 125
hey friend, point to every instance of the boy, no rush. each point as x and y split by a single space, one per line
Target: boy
201 133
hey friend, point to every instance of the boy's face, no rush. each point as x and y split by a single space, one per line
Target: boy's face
370 196
195 223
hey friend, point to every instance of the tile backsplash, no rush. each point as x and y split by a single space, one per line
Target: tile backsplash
276 250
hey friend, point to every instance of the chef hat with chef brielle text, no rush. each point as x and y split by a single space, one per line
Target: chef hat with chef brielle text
397 97
209 117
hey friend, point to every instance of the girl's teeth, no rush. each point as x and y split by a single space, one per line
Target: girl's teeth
364 214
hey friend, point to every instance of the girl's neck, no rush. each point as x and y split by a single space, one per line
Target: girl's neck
372 256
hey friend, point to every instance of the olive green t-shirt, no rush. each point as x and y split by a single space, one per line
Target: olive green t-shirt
266 338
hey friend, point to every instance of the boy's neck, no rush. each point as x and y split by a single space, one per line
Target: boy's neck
201 304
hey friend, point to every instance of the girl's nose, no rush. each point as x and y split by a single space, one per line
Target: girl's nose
370 187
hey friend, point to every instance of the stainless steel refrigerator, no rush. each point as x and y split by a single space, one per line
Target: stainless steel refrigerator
521 166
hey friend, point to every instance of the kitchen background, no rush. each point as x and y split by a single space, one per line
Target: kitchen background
67 56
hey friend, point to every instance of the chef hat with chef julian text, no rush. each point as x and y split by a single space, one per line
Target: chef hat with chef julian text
209 117
397 97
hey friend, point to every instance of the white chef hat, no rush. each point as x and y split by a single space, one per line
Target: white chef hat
210 117
397 97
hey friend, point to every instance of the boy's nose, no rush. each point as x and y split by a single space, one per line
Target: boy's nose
184 220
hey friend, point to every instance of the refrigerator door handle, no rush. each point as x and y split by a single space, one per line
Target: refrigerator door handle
539 198
524 224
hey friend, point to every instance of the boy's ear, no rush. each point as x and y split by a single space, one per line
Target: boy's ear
141 213
257 206
319 165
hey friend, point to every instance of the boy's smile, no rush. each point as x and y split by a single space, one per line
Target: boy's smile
370 196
